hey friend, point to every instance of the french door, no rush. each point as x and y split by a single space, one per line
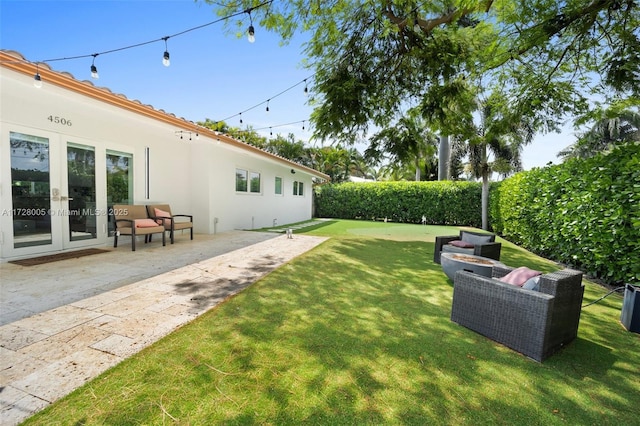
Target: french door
57 194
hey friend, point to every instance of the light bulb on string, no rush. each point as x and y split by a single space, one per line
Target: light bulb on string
270 131
268 105
240 118
303 124
37 80
94 69
166 57
251 33
306 89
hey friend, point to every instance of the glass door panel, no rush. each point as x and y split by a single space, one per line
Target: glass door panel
30 190
81 181
119 181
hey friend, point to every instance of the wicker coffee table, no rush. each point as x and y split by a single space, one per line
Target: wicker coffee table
453 262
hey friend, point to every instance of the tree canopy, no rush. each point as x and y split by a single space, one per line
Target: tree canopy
375 60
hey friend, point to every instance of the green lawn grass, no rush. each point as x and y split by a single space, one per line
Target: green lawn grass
357 331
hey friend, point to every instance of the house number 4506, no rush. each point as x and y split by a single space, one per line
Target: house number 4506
59 120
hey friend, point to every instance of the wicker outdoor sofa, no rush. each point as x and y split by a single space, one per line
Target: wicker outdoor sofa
534 323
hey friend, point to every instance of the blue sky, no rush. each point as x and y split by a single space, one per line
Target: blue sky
213 73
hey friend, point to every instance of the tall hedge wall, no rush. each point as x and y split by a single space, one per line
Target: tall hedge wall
450 203
584 213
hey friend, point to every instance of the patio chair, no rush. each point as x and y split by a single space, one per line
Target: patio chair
534 323
161 213
133 220
467 242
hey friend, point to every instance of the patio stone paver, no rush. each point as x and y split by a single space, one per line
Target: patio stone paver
49 354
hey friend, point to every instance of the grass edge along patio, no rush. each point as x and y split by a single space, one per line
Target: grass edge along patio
358 331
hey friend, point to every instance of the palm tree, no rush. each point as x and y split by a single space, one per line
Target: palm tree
360 166
395 172
333 161
614 126
496 146
409 142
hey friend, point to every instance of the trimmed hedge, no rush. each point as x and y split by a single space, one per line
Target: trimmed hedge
448 203
584 213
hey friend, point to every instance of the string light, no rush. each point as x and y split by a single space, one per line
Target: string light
37 81
94 70
183 132
233 15
263 102
268 105
251 33
165 58
278 125
306 89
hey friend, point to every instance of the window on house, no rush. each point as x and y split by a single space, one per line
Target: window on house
298 188
278 185
255 182
241 180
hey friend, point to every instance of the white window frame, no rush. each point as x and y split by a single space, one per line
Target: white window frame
252 176
298 188
244 172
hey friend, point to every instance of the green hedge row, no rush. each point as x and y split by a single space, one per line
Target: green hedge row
449 203
584 213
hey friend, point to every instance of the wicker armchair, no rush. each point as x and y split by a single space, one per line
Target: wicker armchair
483 245
534 323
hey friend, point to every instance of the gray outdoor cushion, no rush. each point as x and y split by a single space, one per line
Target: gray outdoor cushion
532 284
476 239
453 249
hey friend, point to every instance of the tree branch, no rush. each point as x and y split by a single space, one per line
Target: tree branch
429 24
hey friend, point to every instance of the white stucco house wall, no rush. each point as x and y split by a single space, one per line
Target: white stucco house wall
69 150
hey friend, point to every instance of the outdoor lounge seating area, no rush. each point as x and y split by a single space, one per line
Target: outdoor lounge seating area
467 242
533 318
140 220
